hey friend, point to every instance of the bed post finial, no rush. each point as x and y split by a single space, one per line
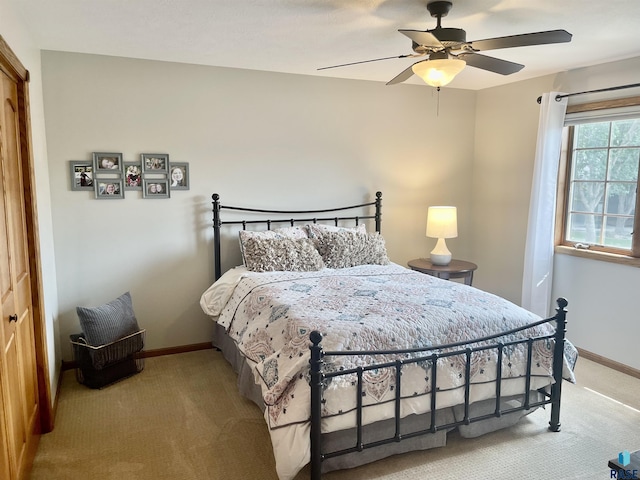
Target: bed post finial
378 211
216 235
316 404
558 363
562 303
315 337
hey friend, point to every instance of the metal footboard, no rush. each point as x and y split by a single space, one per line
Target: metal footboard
432 354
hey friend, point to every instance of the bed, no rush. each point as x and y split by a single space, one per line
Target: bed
354 358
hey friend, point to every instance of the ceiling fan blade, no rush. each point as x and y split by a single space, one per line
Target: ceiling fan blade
524 40
423 38
367 61
402 76
491 64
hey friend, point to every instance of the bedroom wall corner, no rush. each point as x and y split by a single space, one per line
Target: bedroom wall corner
505 142
17 35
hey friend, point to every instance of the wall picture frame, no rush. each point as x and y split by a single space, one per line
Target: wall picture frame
81 173
132 176
155 163
107 163
109 188
179 176
155 188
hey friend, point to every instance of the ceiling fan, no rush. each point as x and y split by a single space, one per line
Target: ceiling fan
448 51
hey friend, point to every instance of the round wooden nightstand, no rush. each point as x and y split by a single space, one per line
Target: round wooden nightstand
455 269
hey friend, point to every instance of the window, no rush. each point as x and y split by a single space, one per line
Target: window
599 201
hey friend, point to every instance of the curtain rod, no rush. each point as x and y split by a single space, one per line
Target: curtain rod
621 87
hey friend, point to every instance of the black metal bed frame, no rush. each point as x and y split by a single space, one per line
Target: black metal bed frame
433 354
430 354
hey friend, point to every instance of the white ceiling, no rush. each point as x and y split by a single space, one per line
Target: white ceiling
299 36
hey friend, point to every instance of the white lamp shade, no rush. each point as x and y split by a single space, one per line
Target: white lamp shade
438 73
442 222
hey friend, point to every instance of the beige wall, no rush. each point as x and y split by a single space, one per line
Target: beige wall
253 137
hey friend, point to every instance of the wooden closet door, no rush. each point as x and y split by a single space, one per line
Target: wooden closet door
5 470
19 369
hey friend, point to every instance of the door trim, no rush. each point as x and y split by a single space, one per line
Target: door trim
11 65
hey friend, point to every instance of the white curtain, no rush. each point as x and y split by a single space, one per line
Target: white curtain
538 256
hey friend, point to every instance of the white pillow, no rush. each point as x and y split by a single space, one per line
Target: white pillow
217 295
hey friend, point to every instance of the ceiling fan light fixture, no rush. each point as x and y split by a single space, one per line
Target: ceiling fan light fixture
438 73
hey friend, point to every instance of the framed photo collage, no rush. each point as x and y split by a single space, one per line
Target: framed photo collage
108 175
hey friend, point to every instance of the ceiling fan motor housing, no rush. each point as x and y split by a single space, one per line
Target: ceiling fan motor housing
449 35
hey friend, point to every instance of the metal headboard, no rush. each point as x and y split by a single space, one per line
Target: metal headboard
296 218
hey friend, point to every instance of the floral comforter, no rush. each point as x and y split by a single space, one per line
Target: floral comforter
270 316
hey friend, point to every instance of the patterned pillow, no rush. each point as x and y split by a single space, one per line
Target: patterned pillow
349 248
317 230
284 232
281 254
109 322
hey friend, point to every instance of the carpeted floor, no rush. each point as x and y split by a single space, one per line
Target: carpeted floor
182 419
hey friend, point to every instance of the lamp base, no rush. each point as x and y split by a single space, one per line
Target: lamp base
440 260
440 255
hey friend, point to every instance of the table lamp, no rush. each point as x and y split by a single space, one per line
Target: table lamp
442 222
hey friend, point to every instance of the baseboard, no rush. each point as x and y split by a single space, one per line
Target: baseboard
158 352
54 408
173 350
620 367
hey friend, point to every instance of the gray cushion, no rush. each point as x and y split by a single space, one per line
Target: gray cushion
109 322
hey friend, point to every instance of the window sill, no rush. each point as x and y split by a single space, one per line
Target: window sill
600 256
